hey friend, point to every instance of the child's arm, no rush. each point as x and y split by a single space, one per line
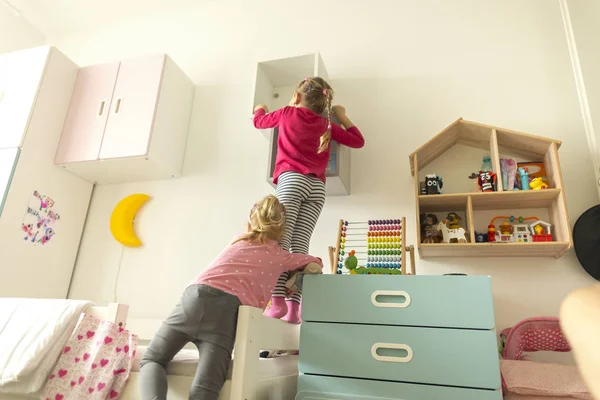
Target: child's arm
295 261
351 136
262 120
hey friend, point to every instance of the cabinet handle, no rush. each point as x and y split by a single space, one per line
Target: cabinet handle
395 346
118 105
398 293
1 96
101 108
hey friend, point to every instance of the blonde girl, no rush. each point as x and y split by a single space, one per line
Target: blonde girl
302 156
245 273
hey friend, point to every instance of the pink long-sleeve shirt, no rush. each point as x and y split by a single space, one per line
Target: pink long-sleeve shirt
300 131
250 271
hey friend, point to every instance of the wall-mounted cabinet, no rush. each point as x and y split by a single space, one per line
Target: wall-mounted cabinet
274 85
128 121
478 209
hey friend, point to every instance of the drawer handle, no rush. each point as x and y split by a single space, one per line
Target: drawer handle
395 346
1 96
398 293
101 108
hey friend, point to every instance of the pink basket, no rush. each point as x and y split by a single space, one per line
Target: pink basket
534 334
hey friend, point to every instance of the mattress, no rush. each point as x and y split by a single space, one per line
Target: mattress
186 361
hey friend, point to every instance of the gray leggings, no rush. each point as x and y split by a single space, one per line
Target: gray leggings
206 317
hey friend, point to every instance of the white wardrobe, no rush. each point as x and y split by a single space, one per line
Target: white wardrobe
42 207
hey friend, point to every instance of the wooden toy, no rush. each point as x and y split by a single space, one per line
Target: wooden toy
480 237
374 247
433 184
453 219
541 231
451 235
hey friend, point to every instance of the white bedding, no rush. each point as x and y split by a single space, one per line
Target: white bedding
33 333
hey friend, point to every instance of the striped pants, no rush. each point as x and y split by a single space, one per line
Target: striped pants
303 197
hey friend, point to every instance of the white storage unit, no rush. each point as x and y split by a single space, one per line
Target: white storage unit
274 86
128 121
37 85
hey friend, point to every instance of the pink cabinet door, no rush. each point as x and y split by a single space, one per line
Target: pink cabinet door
132 111
88 112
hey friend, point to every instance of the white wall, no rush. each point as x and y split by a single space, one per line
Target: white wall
585 15
403 69
16 33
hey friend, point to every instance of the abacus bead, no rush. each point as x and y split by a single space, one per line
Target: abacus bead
343 240
344 228
342 252
345 222
343 234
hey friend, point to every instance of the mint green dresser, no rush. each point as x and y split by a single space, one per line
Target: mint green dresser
398 337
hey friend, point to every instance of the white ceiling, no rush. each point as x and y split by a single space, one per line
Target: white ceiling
59 17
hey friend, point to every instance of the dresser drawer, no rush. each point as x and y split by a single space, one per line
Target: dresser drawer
311 387
438 301
453 357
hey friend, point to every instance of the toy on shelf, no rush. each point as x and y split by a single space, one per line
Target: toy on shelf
541 231
433 184
351 262
508 170
452 232
486 164
487 181
480 237
537 184
535 169
509 232
377 248
429 233
524 174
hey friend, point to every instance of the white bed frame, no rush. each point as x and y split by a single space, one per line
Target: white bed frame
114 312
255 332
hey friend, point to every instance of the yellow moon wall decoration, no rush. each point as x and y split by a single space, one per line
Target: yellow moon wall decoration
123 217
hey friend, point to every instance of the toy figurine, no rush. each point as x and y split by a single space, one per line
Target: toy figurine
487 181
538 184
433 184
486 165
524 178
491 233
351 262
428 231
451 235
453 219
480 237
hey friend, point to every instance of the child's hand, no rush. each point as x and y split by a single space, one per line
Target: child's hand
339 112
264 107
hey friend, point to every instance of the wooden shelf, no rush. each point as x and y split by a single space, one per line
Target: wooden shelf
540 249
489 201
475 206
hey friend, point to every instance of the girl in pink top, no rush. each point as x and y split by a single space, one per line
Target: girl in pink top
303 143
243 274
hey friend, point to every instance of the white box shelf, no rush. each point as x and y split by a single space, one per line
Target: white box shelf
274 86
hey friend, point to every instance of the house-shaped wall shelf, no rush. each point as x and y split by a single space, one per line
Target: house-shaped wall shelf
274 85
457 145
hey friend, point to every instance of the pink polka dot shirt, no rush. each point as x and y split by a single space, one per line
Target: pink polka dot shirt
250 271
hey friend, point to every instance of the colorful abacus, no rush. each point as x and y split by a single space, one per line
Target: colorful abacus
378 246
